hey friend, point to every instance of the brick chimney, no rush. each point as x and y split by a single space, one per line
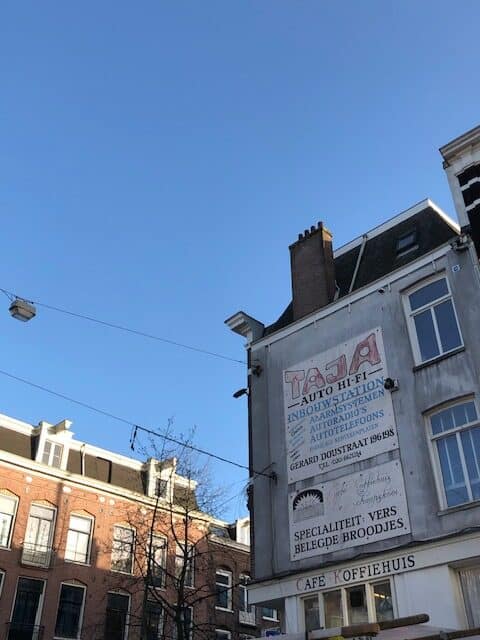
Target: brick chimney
313 272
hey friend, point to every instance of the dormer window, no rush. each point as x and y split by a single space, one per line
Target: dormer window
161 488
407 243
52 454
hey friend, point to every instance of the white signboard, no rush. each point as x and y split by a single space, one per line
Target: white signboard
354 510
336 408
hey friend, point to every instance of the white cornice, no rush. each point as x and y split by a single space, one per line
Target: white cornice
396 220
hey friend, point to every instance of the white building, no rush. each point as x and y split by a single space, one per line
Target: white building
364 400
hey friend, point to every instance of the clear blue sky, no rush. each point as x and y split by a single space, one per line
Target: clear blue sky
157 159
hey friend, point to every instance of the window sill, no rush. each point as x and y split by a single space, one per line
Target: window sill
270 619
459 507
123 573
439 358
223 609
81 564
5 548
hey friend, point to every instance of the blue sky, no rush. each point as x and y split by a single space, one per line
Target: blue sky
157 159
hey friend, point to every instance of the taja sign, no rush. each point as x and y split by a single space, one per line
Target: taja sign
336 408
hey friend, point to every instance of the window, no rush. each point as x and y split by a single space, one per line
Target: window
406 243
78 539
70 611
184 563
351 605
382 599
116 618
222 634
2 578
52 454
8 507
27 609
332 604
455 437
246 613
311 612
158 561
161 488
269 614
187 622
223 594
153 629
432 321
37 547
470 582
122 549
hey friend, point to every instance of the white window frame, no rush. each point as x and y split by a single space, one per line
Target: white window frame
369 597
51 534
15 501
132 554
2 580
410 315
38 615
223 633
90 538
125 594
179 555
82 609
161 625
155 565
190 632
435 458
273 619
53 444
227 588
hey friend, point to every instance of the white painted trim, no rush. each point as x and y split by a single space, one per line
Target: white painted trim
435 553
396 220
358 294
410 315
38 614
79 585
470 182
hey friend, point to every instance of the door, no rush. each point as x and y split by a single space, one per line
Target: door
26 610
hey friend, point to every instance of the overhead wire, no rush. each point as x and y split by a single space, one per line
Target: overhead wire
135 427
120 327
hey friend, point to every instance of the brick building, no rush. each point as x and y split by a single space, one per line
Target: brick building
80 557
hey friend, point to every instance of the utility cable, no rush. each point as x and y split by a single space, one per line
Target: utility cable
134 426
120 327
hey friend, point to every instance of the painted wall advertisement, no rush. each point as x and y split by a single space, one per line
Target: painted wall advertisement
336 408
357 509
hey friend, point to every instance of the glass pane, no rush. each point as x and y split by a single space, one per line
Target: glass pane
312 613
447 326
221 579
46 452
382 596
452 473
69 610
332 604
470 580
427 294
5 524
80 524
471 451
7 505
356 604
453 417
427 340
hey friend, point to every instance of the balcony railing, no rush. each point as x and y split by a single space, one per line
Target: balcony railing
247 617
37 555
21 631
